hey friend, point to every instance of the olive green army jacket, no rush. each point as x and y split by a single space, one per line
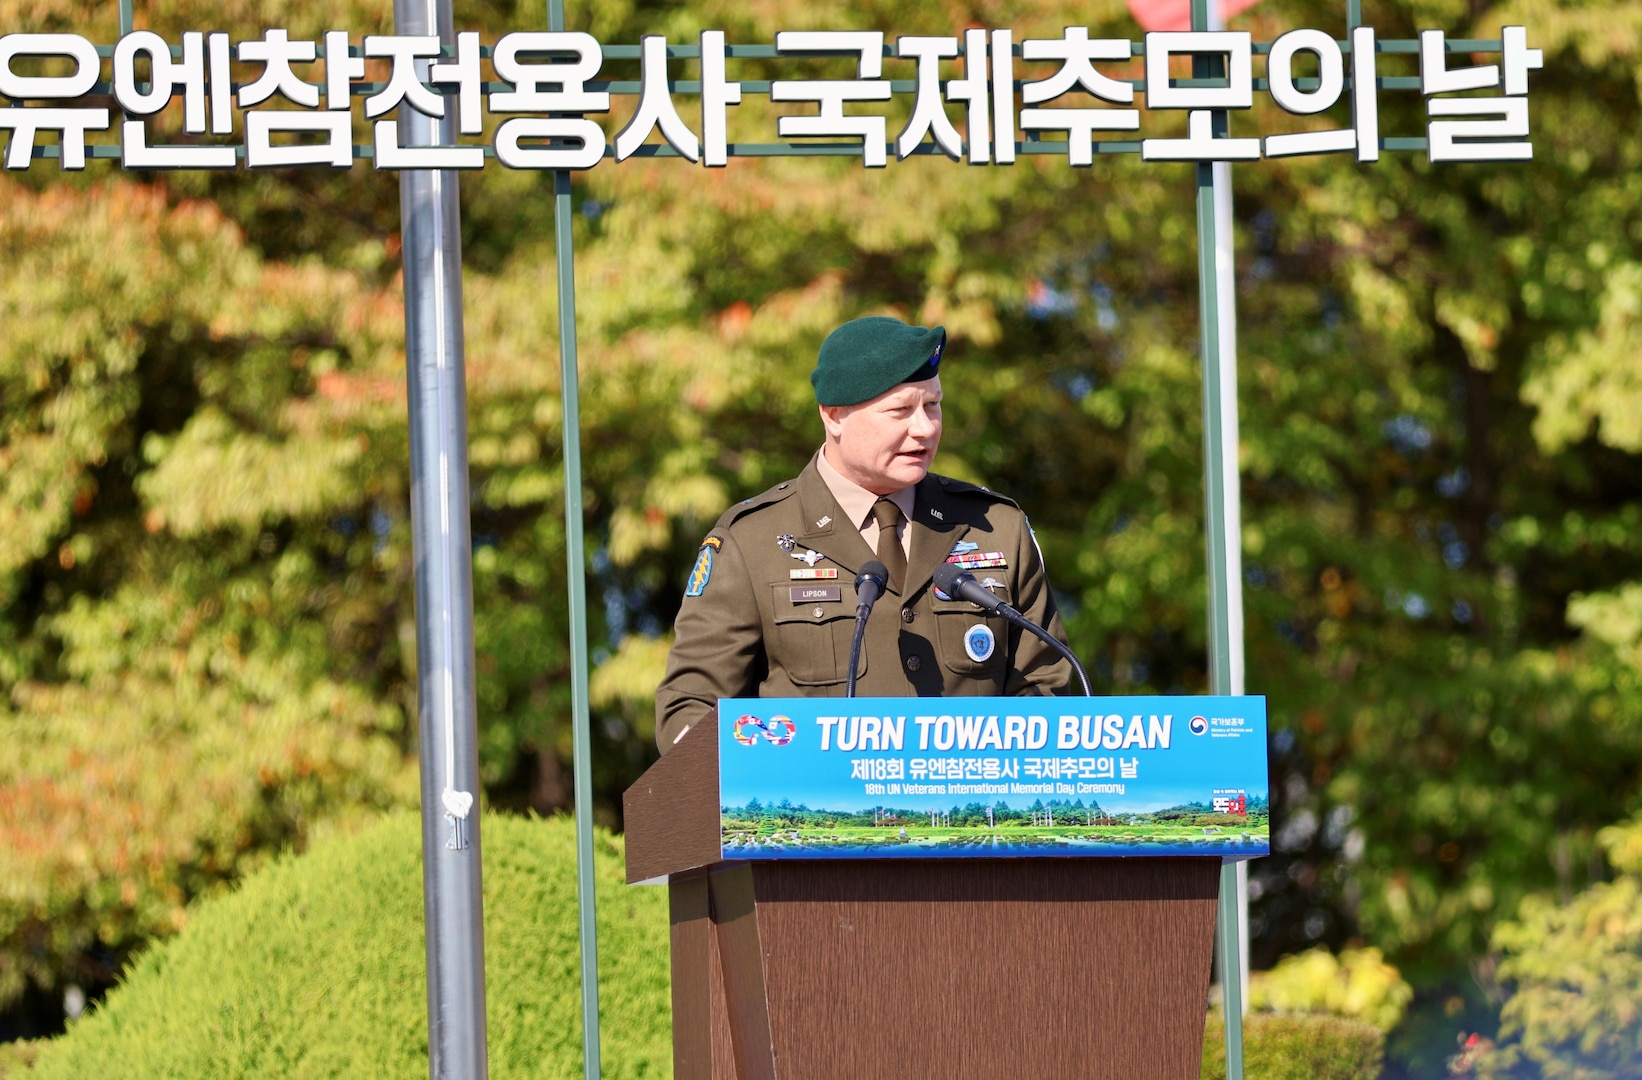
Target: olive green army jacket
770 606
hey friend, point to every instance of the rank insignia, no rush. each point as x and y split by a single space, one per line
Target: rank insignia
786 542
821 574
809 558
701 573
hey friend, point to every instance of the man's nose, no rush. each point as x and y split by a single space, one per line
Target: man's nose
923 425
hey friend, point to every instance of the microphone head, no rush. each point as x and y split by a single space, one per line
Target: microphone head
947 577
873 571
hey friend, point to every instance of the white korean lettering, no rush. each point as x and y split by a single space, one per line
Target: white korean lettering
405 77
165 75
70 124
1076 53
1003 96
717 94
529 95
1238 93
341 68
831 94
655 106
276 52
48 87
1331 83
1502 139
928 111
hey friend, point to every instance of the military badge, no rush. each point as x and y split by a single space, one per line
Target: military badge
703 570
979 643
786 542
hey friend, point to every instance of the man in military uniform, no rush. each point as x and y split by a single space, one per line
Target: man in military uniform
770 606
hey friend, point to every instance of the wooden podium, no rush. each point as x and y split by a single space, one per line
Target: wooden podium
900 969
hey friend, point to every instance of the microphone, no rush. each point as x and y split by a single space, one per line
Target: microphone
961 584
869 586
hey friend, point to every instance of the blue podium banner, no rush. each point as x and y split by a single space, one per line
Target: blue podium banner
816 778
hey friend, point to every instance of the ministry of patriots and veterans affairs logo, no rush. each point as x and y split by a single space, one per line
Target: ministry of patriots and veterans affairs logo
778 730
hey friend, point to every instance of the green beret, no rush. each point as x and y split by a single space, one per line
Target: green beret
867 356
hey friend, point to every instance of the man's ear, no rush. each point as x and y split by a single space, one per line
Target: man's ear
832 419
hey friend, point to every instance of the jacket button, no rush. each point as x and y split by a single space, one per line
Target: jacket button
906 614
913 663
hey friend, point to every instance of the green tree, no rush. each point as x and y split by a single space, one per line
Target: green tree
204 554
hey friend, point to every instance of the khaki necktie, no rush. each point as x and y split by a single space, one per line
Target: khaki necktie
890 551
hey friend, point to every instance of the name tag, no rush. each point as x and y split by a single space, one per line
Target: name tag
809 594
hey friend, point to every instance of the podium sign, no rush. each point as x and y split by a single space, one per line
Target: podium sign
834 778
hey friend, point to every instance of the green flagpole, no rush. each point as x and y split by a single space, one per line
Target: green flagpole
576 565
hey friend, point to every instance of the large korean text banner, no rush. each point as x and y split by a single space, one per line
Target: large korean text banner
283 103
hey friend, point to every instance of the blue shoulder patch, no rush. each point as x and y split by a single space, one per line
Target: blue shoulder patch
702 572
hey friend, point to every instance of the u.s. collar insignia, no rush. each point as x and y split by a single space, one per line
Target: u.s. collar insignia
963 547
809 558
936 514
786 542
822 524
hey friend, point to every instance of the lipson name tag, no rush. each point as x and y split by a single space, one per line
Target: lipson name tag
809 594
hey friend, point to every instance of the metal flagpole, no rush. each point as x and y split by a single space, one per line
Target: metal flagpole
1220 483
443 550
1232 524
576 580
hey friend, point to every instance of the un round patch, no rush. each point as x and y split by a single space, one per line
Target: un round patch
979 643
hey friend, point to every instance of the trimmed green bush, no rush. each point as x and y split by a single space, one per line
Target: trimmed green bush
315 968
1297 1046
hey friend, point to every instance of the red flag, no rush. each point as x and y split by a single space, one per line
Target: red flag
1177 14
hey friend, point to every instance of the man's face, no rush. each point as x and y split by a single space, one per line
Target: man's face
888 442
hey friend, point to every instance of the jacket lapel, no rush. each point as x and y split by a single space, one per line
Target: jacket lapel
824 528
936 526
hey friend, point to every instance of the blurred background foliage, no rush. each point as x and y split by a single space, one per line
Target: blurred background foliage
206 619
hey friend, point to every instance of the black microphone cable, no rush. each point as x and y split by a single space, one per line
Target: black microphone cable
952 581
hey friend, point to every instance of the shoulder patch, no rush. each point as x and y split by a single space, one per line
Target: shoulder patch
702 572
714 542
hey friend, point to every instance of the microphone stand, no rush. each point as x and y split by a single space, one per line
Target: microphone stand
869 586
954 582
